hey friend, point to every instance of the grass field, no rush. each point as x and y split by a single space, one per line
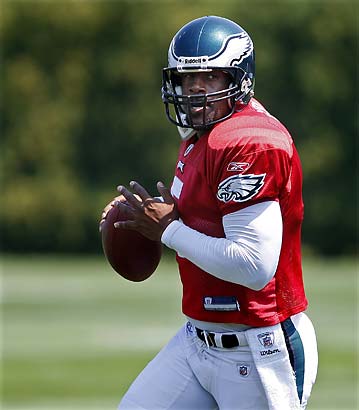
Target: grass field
74 334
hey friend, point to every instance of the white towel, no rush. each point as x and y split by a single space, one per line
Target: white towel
271 358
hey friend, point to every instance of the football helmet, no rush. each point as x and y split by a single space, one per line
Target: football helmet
205 44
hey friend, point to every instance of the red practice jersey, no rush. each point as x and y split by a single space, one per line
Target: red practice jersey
244 160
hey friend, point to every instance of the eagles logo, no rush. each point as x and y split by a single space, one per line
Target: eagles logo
240 188
245 45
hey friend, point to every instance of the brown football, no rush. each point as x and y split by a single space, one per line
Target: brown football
131 255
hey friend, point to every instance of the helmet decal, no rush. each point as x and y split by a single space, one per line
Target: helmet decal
245 44
238 45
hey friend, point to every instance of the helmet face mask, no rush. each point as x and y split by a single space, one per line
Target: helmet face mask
204 45
179 106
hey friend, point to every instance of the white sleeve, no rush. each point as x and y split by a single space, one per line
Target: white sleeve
249 253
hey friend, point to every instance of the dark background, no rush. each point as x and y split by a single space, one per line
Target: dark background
81 110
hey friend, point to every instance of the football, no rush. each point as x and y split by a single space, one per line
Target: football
131 255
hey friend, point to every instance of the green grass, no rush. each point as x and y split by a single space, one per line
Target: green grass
75 334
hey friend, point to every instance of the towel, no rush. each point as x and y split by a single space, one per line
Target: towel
271 359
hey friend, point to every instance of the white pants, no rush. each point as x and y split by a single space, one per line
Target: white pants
189 375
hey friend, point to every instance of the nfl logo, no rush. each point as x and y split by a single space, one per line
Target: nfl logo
266 339
243 370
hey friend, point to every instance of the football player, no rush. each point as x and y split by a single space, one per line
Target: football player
233 215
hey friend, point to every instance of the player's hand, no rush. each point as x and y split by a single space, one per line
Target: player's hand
106 210
148 215
110 205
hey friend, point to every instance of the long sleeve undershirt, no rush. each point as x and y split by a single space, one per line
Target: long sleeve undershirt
249 253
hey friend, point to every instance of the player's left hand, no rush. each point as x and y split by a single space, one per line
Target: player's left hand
107 209
148 215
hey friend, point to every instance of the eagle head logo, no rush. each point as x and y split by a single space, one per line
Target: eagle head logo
240 188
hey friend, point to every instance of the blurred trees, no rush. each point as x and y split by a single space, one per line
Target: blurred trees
81 110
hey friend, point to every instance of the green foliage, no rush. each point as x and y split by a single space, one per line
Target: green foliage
81 109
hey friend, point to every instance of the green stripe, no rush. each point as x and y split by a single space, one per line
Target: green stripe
296 353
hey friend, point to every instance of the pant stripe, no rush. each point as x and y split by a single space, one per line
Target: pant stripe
296 353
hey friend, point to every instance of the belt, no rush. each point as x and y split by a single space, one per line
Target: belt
223 340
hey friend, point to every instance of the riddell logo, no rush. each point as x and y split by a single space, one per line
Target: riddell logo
192 60
185 63
268 352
